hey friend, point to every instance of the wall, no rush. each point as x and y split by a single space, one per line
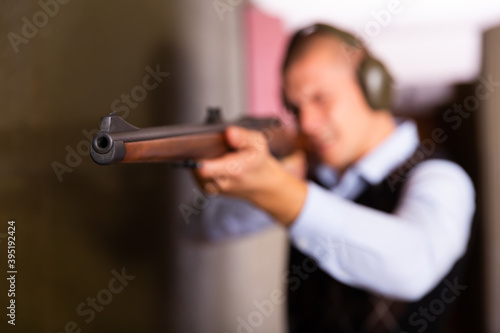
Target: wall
72 231
489 125
219 282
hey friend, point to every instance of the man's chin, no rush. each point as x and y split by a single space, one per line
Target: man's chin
330 159
325 149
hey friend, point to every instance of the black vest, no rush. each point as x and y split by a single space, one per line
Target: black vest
319 303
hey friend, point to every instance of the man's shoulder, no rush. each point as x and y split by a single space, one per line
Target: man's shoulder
439 178
440 168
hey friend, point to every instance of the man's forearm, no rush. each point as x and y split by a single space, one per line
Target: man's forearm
283 196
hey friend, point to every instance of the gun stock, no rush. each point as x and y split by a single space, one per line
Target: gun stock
119 142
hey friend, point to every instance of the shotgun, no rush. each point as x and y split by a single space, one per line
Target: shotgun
120 142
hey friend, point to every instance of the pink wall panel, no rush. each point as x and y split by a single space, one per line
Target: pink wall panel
265 41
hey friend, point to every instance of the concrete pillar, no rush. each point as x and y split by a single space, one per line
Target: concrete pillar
218 284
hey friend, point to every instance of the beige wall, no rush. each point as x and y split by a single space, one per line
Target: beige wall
220 282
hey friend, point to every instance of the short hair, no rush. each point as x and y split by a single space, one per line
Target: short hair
304 38
373 77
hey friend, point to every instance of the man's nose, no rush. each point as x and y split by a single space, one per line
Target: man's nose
309 119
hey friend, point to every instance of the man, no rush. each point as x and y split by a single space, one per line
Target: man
383 220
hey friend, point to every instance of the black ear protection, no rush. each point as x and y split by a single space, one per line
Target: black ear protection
373 77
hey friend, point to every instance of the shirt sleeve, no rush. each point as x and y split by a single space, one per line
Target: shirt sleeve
402 255
225 217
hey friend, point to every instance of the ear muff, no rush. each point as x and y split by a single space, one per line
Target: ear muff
373 77
376 83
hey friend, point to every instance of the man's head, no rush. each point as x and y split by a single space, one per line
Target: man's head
327 85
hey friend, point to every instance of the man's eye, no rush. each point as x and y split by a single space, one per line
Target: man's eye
293 109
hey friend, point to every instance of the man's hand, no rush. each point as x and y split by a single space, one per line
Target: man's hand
250 172
296 163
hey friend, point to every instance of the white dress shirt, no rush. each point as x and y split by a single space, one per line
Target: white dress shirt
402 255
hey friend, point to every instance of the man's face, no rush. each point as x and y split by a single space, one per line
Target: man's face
332 111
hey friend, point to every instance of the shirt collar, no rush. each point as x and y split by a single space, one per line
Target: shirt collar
380 161
390 153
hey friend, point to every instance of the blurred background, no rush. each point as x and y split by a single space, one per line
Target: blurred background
64 64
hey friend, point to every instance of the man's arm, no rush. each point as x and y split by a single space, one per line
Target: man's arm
225 218
401 255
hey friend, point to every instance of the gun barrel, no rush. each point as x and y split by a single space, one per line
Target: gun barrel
120 142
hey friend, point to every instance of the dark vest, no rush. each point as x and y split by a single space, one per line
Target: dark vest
319 303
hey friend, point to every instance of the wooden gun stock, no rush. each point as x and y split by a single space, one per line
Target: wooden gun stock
119 142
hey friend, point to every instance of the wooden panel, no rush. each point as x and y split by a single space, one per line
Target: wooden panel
490 136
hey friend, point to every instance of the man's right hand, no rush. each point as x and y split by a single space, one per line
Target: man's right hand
296 163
